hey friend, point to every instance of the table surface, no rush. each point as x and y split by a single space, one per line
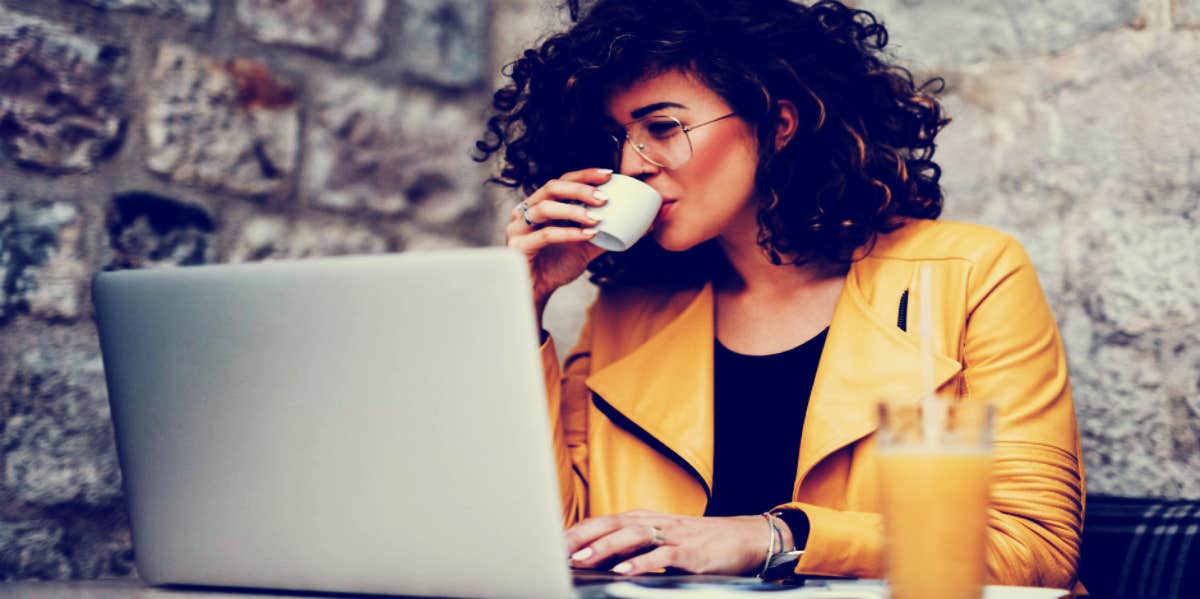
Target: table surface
136 589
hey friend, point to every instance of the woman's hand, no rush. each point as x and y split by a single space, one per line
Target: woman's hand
643 541
558 254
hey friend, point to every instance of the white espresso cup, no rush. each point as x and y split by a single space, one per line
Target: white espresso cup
631 208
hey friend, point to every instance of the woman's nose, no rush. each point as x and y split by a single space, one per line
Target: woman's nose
634 164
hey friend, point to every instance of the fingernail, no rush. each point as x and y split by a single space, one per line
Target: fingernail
582 554
604 171
600 195
594 216
622 568
589 232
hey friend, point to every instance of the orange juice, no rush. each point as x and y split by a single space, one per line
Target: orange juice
935 504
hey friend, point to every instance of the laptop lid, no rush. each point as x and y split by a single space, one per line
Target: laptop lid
367 424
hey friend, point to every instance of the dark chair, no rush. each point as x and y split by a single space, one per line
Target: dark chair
1141 548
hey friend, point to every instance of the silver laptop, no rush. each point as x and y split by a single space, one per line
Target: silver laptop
366 424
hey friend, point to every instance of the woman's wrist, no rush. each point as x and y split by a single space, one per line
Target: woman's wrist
760 543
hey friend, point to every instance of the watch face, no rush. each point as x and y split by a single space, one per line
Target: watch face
782 564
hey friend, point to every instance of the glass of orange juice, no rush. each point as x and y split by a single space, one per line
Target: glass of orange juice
934 476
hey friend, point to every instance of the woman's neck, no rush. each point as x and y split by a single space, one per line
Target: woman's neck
752 273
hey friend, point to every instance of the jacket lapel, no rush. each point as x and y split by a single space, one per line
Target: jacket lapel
866 360
665 386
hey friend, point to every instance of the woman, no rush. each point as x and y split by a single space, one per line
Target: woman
730 366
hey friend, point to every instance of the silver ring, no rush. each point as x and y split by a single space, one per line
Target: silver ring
656 537
525 213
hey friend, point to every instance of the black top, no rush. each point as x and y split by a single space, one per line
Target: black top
758 413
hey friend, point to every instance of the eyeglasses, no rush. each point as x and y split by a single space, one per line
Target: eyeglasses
660 139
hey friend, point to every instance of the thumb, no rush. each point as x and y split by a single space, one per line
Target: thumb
593 251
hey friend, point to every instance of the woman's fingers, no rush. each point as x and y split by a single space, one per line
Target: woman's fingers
621 542
651 561
583 534
588 531
534 241
561 189
640 542
593 176
558 200
578 185
545 212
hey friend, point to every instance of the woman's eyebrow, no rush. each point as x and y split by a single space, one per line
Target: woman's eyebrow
645 110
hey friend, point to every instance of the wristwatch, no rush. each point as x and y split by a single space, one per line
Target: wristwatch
782 565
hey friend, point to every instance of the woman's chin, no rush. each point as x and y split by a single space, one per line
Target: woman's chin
671 241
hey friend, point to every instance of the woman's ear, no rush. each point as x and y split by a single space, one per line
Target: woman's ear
786 125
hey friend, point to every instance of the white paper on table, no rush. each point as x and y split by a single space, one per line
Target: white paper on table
823 590
1002 592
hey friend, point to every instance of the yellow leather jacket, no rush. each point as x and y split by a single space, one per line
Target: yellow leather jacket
631 407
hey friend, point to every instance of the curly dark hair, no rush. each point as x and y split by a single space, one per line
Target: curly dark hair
859 165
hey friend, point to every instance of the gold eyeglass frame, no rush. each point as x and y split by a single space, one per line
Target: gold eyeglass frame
640 148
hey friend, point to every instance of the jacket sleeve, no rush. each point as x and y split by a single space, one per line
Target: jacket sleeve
1012 356
568 399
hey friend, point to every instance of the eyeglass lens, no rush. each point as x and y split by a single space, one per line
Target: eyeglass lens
661 140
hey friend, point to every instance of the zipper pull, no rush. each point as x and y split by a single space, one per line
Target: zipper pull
902 317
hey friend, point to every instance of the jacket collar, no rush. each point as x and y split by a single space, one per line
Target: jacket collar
665 386
866 360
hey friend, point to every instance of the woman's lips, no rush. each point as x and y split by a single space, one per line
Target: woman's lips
665 209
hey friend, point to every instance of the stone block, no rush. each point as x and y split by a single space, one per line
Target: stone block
345 28
41 266
1187 13
32 549
1136 270
198 11
269 238
101 543
61 95
57 437
943 33
1051 153
418 238
1139 429
228 124
147 230
391 152
445 41
1134 233
1180 355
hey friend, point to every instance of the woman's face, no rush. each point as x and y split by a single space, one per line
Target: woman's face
712 194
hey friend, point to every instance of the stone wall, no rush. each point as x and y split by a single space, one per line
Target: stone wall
138 133
141 133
